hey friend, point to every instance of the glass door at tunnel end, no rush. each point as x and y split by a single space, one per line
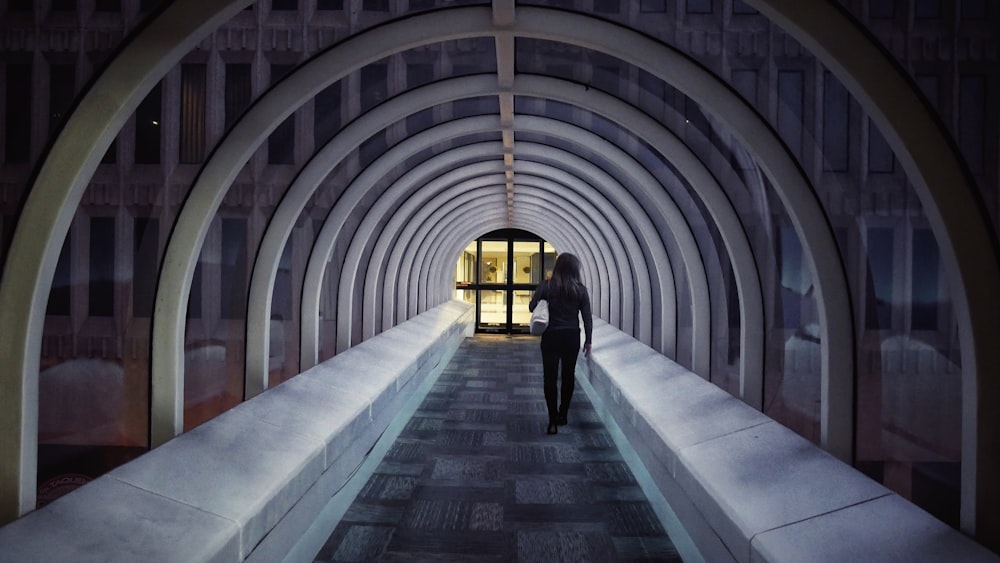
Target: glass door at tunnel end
498 274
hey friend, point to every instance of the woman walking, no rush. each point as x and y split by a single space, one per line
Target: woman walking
568 300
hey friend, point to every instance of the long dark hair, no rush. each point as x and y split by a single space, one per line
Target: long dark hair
566 283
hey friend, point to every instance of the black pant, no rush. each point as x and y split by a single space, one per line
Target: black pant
559 346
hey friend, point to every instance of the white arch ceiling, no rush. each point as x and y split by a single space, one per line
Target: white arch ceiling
923 148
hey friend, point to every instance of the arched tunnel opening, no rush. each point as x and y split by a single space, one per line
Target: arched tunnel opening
227 194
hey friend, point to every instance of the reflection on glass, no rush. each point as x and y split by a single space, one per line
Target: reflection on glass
521 314
493 266
93 377
465 269
527 262
792 392
492 309
879 291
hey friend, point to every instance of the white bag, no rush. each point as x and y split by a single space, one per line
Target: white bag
540 318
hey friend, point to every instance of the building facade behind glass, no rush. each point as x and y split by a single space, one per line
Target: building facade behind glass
95 357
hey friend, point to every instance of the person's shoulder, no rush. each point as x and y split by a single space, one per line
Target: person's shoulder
543 288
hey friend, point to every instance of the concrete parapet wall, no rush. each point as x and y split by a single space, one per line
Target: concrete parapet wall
248 483
745 487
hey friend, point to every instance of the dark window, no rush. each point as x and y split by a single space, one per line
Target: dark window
111 155
794 293
417 122
880 157
234 268
605 74
836 114
285 5
653 6
882 9
326 114
559 110
926 269
279 71
62 79
17 125
108 6
6 235
20 6
329 4
418 74
973 10
101 302
194 298
790 106
145 250
467 108
648 82
281 142
972 121
699 6
927 9
374 86
147 129
745 82
375 5
63 5
281 298
237 91
607 6
878 313
740 7
931 88
695 117
372 148
59 295
193 93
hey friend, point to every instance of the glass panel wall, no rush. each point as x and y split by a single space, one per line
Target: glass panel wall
503 278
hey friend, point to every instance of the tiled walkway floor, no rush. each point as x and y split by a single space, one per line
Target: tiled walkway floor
474 477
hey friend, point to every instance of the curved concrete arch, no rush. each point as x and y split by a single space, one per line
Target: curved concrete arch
690 254
410 282
787 178
569 236
447 253
978 327
349 272
594 176
303 187
476 183
544 198
228 158
279 98
623 247
337 217
408 298
444 254
529 219
590 253
411 203
385 240
405 287
550 231
949 198
715 200
49 208
461 19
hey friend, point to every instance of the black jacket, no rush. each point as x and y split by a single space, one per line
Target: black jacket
565 315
